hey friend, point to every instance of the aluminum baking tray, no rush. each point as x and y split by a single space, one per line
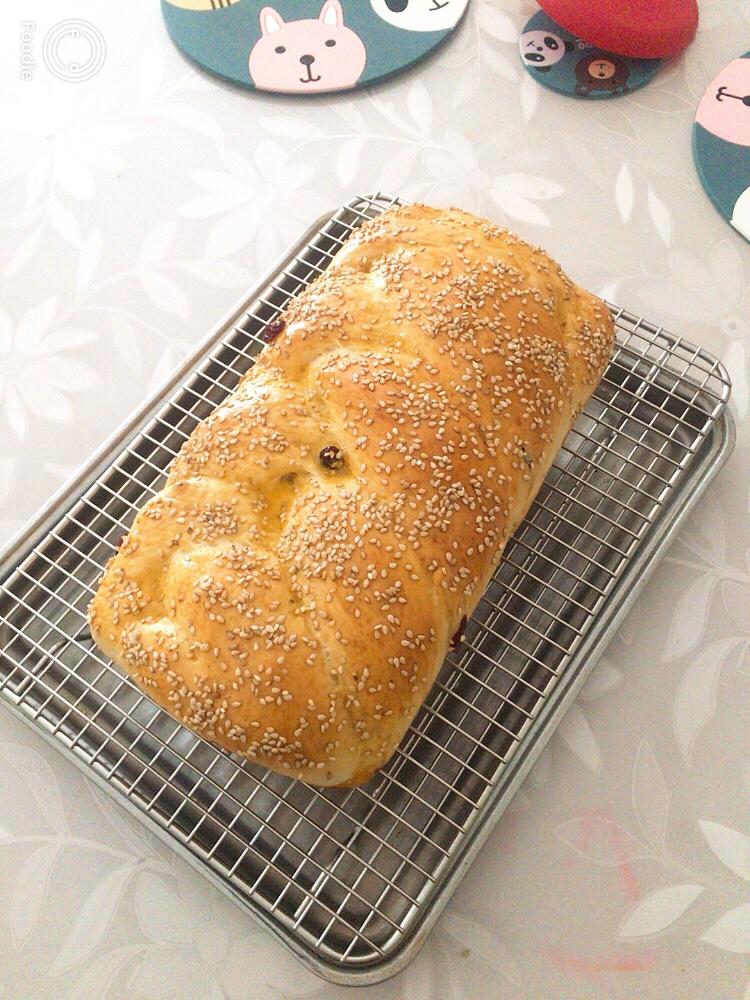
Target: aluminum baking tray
352 880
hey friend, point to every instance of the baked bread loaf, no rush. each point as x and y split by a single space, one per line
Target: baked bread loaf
291 593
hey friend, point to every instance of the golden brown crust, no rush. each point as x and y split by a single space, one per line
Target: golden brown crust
291 593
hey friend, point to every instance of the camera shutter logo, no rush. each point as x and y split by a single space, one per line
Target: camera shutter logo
74 50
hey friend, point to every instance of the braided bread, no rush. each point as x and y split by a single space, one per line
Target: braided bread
291 593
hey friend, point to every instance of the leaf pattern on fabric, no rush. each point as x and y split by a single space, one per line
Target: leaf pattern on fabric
658 910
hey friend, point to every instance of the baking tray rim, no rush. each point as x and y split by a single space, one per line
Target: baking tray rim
710 456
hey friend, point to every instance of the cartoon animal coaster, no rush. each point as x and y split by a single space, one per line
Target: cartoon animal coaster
420 15
721 143
306 55
309 47
569 65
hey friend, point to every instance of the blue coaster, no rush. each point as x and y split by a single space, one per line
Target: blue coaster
564 63
721 143
309 46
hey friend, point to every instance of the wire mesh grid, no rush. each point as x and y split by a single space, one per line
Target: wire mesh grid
351 878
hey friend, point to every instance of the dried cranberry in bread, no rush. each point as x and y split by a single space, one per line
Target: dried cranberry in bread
291 593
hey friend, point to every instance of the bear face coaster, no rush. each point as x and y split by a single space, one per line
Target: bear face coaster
569 65
309 46
721 143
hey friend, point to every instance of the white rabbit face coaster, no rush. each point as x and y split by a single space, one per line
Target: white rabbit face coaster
309 46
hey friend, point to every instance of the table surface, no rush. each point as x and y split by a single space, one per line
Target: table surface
135 207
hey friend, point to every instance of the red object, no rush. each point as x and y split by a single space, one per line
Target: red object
641 29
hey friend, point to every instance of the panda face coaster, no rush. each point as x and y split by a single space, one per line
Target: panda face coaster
721 143
569 65
309 46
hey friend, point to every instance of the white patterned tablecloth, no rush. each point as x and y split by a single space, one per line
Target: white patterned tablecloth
134 209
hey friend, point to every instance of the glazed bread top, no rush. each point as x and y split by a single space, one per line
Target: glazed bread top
292 591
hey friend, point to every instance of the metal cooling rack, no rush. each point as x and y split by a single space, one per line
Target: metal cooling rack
352 880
